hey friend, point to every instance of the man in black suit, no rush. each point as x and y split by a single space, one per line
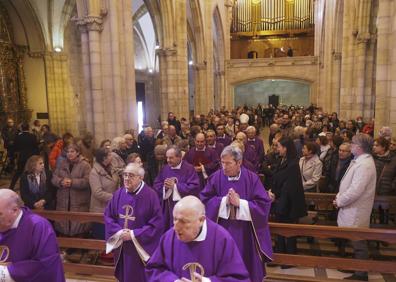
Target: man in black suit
173 121
26 145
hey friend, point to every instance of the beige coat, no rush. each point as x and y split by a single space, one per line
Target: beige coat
103 186
75 198
357 191
311 171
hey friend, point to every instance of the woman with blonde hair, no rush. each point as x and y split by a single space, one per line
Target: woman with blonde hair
36 189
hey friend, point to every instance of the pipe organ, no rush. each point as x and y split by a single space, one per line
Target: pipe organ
272 17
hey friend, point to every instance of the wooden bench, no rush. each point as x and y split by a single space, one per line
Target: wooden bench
287 230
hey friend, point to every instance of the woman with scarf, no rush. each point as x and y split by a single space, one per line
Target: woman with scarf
36 189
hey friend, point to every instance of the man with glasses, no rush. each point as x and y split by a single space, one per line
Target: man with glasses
355 198
134 224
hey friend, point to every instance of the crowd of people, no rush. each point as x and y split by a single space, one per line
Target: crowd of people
213 163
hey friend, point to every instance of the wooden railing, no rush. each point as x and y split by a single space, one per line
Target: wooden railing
287 230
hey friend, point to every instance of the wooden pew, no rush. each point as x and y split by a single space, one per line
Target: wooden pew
287 230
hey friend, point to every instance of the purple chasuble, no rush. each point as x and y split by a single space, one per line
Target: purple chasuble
187 184
208 158
147 226
218 148
251 156
226 140
217 254
33 250
252 237
258 147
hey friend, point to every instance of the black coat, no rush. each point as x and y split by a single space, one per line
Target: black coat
332 183
289 192
29 198
26 145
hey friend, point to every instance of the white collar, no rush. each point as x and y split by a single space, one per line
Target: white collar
178 166
222 137
212 146
138 189
254 139
196 149
17 220
235 178
202 235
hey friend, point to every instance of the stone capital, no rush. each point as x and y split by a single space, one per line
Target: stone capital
363 37
89 23
229 3
165 52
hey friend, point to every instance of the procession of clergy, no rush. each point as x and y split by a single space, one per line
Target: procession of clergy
210 223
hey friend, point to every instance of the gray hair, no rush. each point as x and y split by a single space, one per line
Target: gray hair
115 143
232 151
135 169
364 141
177 150
191 203
385 132
250 127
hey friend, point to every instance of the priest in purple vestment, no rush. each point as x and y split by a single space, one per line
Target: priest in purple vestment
212 143
134 225
176 180
222 137
195 249
249 154
28 246
237 200
205 160
256 144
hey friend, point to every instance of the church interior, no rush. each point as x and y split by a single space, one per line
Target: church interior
101 67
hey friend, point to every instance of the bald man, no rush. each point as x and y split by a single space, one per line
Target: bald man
28 246
195 249
204 159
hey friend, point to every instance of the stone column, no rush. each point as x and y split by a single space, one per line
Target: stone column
385 98
173 59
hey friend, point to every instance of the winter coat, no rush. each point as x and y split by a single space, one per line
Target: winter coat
357 191
74 198
386 174
102 186
311 171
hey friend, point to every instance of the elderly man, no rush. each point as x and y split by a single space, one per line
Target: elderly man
204 159
131 144
236 199
172 138
356 196
176 180
211 142
337 168
146 145
134 225
29 250
256 144
195 249
249 154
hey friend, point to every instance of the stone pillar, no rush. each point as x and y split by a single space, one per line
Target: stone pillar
173 59
107 44
385 98
357 60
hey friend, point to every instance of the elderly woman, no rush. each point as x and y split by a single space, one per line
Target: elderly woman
72 180
104 182
118 154
36 189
